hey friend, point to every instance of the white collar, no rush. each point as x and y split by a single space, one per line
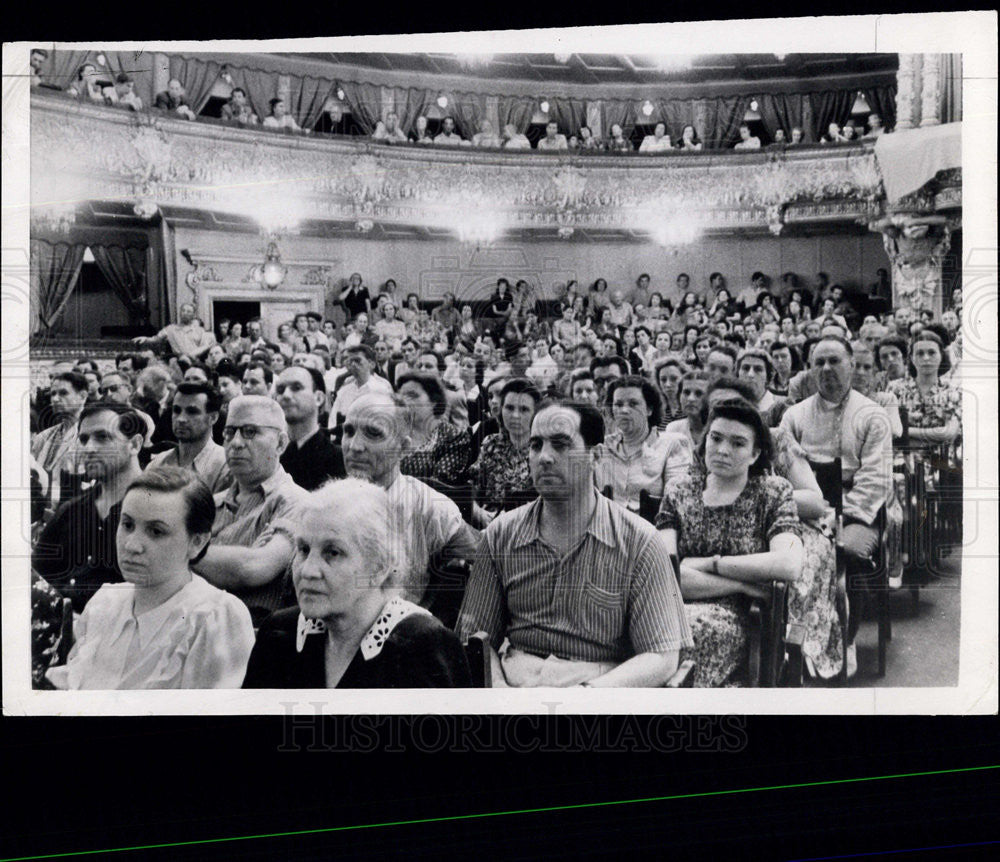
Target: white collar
394 612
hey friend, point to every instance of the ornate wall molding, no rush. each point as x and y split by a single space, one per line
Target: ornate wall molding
89 152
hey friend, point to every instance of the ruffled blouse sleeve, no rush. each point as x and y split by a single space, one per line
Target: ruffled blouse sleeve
220 646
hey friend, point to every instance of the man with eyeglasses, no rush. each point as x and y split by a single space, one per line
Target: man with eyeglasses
194 410
252 543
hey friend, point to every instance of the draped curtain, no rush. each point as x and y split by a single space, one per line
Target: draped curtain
676 113
125 270
365 102
782 111
260 87
951 88
570 114
197 76
723 116
308 95
161 269
467 109
882 100
517 111
410 103
55 269
620 111
63 66
831 106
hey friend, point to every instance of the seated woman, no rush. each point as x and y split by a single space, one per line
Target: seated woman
689 139
351 628
735 529
164 627
501 472
812 597
390 328
235 344
618 143
438 450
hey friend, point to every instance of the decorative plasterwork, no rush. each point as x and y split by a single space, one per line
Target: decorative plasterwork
83 152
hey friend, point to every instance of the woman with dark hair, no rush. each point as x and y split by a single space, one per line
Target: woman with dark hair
689 139
734 528
501 472
702 347
765 310
164 627
438 450
352 628
597 296
723 302
668 374
501 307
606 325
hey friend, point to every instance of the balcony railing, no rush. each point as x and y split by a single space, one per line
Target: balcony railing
91 152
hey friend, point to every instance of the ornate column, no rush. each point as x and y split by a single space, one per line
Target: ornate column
916 246
930 96
904 90
493 113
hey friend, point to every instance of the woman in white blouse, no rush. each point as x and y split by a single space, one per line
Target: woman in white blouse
165 627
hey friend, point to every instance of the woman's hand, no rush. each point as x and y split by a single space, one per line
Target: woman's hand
702 564
755 592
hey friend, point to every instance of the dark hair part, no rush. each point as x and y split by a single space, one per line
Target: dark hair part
265 369
520 386
745 413
650 394
608 361
213 400
430 384
73 378
928 335
200 507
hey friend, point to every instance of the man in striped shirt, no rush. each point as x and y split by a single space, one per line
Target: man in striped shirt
573 588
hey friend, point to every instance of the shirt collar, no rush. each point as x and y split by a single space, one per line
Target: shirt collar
149 623
271 484
395 611
599 527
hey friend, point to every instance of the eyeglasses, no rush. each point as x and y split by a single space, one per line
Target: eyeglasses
248 432
104 390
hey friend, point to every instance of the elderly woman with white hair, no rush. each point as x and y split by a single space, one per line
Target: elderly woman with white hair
351 628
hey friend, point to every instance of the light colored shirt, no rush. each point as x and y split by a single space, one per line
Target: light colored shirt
653 144
209 465
663 456
422 523
517 142
610 598
131 99
350 391
749 144
55 449
857 432
556 143
453 138
191 340
621 315
201 637
286 122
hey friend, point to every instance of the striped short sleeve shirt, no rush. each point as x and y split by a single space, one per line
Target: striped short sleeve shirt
610 598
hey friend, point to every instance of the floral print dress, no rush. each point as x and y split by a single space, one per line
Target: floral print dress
500 470
764 509
444 457
942 404
812 597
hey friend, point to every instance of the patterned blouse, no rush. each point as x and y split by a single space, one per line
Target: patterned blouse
942 405
444 457
500 470
764 509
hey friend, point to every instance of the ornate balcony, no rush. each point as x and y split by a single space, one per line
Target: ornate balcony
89 152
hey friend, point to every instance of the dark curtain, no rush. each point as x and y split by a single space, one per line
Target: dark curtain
56 267
832 106
882 100
723 118
677 113
63 66
410 103
260 87
197 77
365 102
161 269
782 111
308 95
621 111
516 110
570 114
951 89
467 110
125 270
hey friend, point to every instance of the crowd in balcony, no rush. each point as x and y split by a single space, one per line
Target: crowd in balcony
604 483
642 133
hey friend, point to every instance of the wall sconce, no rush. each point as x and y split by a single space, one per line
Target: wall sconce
442 102
273 271
647 108
544 106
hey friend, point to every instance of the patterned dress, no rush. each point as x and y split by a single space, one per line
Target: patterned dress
46 629
444 457
939 407
812 597
764 509
500 470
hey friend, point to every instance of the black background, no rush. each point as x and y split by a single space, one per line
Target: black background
78 784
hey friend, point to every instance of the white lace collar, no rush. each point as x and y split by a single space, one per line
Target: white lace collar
395 610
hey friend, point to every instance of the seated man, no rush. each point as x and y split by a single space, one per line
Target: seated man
173 99
486 137
637 455
513 139
840 423
448 134
86 85
424 522
76 551
360 363
186 338
389 132
123 93
311 459
572 588
194 412
238 110
252 543
754 366
36 62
